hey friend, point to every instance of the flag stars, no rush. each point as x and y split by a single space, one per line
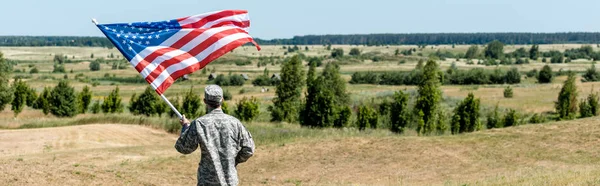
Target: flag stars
134 37
130 48
118 35
157 36
147 42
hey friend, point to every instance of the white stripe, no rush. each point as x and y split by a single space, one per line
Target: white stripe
196 18
191 61
141 55
239 18
187 47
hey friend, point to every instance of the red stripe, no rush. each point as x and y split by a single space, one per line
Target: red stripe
243 24
197 66
213 17
193 52
177 45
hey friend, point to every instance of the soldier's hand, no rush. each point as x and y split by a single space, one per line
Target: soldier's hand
184 121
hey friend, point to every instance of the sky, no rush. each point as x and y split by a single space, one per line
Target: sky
285 19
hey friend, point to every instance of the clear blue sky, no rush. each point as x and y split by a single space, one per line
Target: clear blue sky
285 19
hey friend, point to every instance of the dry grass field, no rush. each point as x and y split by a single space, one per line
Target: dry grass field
562 153
554 153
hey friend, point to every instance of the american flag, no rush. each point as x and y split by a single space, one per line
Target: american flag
166 50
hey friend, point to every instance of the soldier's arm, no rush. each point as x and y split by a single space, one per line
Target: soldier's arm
247 145
188 140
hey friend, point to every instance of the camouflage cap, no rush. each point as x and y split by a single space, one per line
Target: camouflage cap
213 94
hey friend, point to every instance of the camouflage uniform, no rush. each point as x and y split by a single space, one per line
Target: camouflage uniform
224 142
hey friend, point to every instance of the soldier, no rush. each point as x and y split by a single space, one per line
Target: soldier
224 142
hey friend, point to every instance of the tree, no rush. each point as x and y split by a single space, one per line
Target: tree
466 116
545 75
247 109
21 91
92 56
534 52
191 104
557 58
112 103
584 109
58 68
42 101
147 103
513 76
429 96
326 98
566 105
366 117
34 70
63 101
286 104
399 112
472 52
494 50
31 97
354 52
95 66
5 90
508 92
337 53
84 99
592 100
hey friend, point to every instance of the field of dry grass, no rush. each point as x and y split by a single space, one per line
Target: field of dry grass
561 153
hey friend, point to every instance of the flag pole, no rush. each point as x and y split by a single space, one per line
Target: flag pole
171 105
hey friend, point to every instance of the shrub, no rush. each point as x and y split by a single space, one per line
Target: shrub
227 95
466 116
508 92
545 75
63 101
95 65
112 103
337 53
537 118
148 103
591 74
566 105
84 99
191 105
584 109
399 112
511 118
247 109
34 70
95 109
354 52
58 68
366 117
493 119
532 73
21 91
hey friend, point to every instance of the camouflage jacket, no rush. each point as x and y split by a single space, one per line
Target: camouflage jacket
224 142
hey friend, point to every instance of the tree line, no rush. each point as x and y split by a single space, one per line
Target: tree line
354 39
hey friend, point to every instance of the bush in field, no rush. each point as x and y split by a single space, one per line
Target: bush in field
534 52
225 108
21 91
84 99
34 70
247 109
338 52
95 109
537 118
148 103
532 73
354 52
42 101
58 68
227 95
286 104
191 105
63 101
508 92
112 103
229 80
545 75
511 118
589 107
366 117
472 52
591 74
566 106
5 90
95 65
399 112
493 119
466 116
